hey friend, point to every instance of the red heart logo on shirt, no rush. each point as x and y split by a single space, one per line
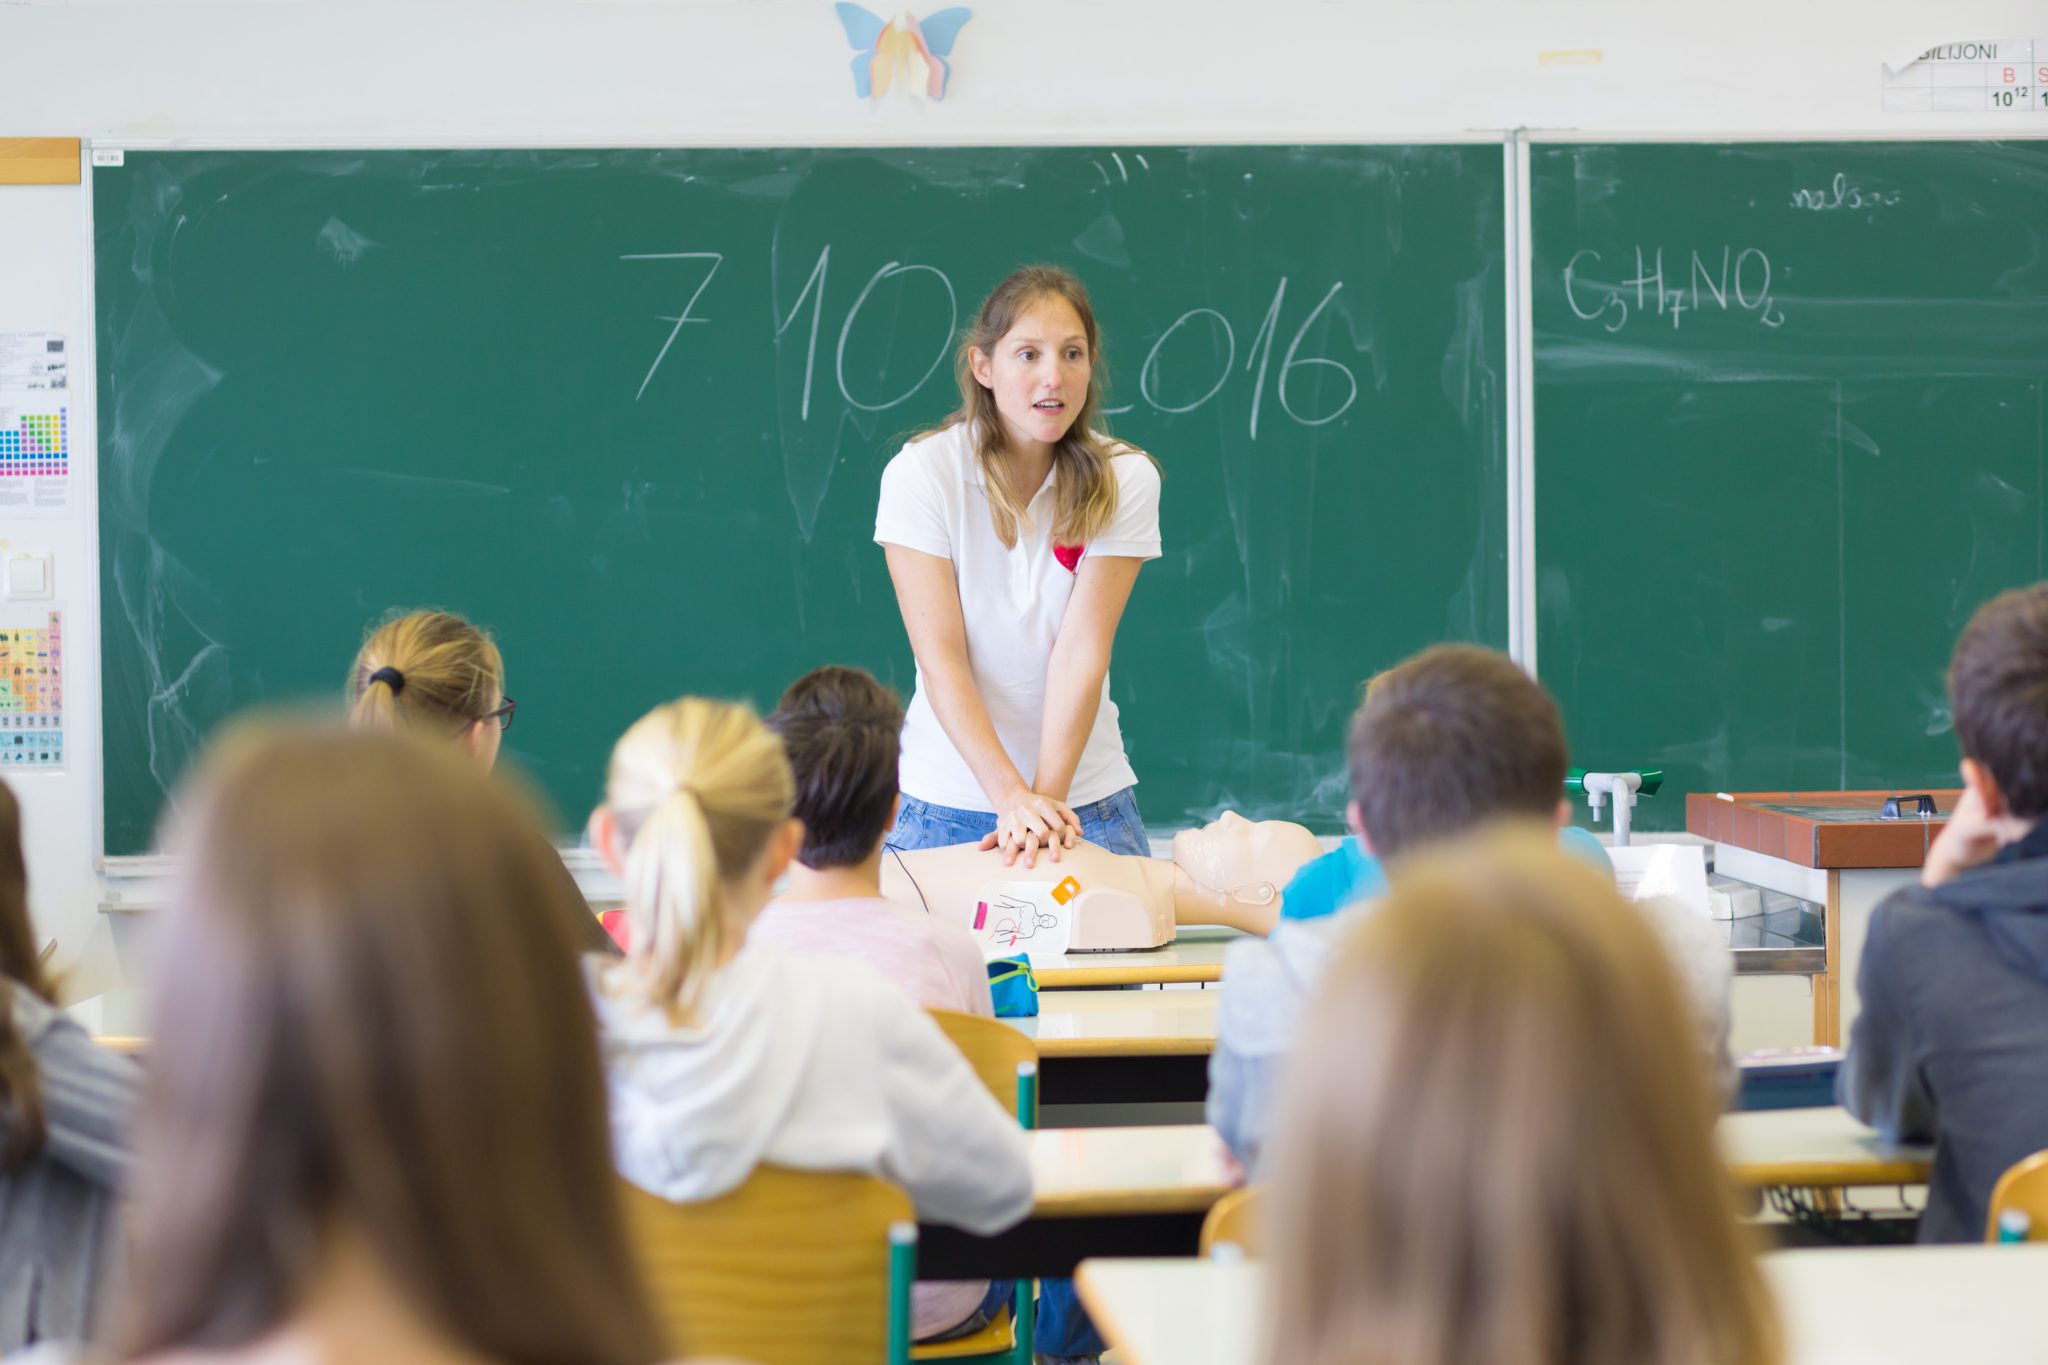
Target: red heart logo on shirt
1069 556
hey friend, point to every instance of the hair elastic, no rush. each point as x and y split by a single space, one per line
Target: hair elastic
391 678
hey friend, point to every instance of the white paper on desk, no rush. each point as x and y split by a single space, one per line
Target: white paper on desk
1678 871
1022 917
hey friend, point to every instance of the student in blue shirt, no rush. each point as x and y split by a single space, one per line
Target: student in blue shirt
1455 738
1348 873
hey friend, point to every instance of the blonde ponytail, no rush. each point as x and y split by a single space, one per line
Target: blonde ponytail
427 668
696 787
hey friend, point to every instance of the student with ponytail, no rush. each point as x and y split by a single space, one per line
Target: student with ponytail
724 1056
434 674
65 1105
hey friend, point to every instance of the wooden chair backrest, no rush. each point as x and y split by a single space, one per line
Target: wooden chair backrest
2024 1186
792 1268
1235 1218
994 1050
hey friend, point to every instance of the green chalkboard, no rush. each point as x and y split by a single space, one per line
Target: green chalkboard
1789 433
630 408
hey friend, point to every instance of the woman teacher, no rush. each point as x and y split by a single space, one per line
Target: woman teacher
1014 533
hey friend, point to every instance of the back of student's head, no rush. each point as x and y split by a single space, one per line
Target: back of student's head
426 669
22 1130
1998 685
1496 1146
1449 738
368 1019
841 729
696 789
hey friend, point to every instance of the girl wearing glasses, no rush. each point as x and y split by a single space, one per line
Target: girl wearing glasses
434 673
432 670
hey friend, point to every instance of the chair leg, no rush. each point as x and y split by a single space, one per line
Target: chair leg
902 1270
1024 1314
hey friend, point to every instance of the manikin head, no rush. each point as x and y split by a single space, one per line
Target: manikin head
1246 861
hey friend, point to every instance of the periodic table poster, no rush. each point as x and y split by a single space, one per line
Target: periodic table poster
35 425
32 691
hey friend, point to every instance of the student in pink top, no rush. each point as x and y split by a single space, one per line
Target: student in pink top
840 727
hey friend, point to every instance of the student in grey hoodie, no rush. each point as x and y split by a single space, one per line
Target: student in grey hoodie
722 1055
65 1105
1952 1042
1446 741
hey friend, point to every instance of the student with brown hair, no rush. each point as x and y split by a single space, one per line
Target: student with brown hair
839 726
1445 741
724 1055
1496 1147
374 1118
65 1109
1952 1042
433 673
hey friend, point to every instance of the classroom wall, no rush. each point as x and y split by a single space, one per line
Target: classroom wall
654 72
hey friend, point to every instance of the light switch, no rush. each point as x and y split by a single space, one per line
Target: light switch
28 577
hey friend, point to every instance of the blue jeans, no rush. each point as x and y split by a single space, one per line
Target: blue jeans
1063 1327
1112 823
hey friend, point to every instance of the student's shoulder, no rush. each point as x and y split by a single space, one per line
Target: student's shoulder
1288 961
955 947
1585 845
1909 917
846 988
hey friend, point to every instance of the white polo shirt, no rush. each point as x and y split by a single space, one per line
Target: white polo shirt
934 500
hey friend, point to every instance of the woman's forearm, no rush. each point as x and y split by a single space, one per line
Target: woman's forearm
1073 695
1076 667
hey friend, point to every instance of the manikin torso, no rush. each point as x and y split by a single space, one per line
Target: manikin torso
1228 873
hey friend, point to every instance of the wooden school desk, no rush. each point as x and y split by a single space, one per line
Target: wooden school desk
1099 1192
1123 1047
1868 1305
1195 955
1829 848
1815 1149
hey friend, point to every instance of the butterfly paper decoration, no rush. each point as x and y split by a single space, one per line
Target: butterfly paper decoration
903 50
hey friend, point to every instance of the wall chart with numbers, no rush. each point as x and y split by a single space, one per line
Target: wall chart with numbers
32 690
2005 75
35 425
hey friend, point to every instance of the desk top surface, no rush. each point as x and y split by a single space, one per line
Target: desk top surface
1140 1023
1868 1305
1822 1148
1817 829
1173 1168
1196 955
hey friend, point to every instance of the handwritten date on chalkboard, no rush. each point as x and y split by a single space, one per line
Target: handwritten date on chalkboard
1185 333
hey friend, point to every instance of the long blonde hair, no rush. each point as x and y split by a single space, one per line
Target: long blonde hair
697 787
425 668
1086 490
370 1016
1497 1140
